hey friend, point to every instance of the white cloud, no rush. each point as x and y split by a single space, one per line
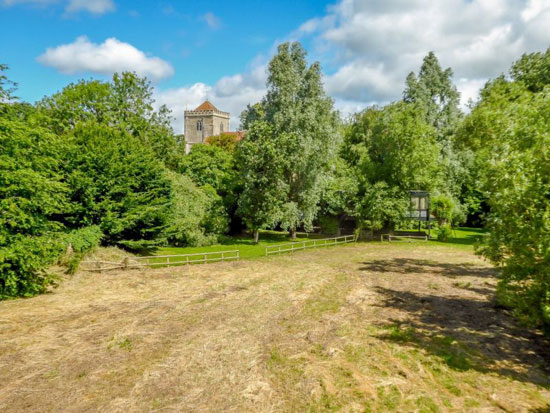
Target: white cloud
96 7
373 44
369 47
230 94
106 58
212 20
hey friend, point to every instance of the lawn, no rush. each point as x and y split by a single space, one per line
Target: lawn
407 327
247 249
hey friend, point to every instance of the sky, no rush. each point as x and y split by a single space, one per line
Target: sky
192 50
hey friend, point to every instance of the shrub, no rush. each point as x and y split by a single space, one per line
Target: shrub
445 232
329 225
442 207
197 215
23 263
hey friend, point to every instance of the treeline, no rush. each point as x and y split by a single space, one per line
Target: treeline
96 162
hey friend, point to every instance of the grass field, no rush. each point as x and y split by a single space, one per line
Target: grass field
361 327
247 249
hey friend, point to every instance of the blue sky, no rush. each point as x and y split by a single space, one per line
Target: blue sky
196 50
177 32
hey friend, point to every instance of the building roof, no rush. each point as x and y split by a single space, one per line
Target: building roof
206 105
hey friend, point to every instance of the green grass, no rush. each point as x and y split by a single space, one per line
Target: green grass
462 237
245 245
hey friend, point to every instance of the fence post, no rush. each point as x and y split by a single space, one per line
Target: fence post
222 256
187 260
304 244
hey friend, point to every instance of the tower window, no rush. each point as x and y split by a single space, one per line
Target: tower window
221 127
199 125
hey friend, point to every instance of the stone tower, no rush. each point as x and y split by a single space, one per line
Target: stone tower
206 120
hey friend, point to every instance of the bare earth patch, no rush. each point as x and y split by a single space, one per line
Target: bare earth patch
364 327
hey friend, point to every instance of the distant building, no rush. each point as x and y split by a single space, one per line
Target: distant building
206 120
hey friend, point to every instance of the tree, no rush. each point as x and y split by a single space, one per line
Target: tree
339 197
392 150
533 70
434 91
210 165
7 86
32 196
115 182
225 141
261 164
197 215
125 103
304 127
508 132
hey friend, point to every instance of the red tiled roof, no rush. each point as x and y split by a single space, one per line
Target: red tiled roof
206 105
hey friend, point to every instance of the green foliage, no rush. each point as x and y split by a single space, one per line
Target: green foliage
339 196
394 144
7 86
508 130
197 216
304 128
115 182
434 91
442 207
210 165
84 239
126 104
22 264
329 225
382 206
533 70
260 163
445 233
391 150
223 141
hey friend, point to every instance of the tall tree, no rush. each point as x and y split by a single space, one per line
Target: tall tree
508 132
304 128
261 164
392 151
435 92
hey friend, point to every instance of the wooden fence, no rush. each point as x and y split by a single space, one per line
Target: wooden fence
314 243
161 260
409 238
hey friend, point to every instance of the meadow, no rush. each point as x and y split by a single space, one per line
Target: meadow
359 327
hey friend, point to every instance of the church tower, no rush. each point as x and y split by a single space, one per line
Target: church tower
206 120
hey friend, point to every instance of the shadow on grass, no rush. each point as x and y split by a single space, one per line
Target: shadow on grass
468 334
409 265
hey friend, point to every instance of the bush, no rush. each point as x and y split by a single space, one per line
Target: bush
23 263
445 232
84 239
329 225
197 215
442 207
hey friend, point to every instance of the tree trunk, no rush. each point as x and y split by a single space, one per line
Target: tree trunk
292 233
256 236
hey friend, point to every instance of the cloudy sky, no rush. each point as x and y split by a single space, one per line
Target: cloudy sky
218 50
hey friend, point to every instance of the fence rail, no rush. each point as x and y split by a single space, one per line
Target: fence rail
409 238
314 243
162 260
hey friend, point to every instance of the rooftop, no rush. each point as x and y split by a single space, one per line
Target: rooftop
206 105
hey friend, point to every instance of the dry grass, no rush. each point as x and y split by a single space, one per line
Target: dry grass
354 328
